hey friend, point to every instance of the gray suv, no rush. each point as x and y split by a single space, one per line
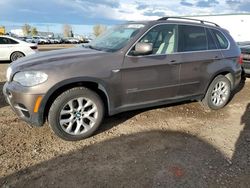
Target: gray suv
131 66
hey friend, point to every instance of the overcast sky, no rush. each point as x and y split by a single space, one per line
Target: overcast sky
50 14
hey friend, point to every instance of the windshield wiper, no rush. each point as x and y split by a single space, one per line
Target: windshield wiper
94 48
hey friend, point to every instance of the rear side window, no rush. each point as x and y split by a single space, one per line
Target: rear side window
192 38
12 41
221 40
4 40
210 40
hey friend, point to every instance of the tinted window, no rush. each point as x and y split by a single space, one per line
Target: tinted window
221 40
4 40
12 41
210 39
192 38
163 39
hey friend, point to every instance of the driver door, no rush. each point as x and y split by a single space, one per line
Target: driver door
153 77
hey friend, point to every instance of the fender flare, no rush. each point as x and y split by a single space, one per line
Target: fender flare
101 86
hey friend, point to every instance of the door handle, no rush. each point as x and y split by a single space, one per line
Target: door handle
217 58
116 70
173 61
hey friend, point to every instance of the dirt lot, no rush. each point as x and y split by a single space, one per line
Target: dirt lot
170 146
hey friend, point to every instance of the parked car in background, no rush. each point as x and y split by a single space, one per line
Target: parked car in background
245 51
40 40
134 65
87 40
29 40
12 49
21 38
54 40
71 40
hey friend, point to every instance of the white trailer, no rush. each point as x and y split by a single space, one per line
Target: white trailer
237 24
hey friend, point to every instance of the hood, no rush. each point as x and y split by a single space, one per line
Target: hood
50 57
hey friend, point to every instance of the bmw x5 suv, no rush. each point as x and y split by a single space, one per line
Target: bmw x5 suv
131 66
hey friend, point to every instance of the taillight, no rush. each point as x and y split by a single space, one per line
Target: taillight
240 59
33 47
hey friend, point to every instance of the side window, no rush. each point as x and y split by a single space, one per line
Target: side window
221 40
4 40
192 38
10 41
163 39
210 40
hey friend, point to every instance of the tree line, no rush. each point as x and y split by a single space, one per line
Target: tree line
67 30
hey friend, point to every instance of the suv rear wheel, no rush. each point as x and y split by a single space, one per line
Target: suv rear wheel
76 114
218 93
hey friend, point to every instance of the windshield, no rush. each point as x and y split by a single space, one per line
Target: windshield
116 38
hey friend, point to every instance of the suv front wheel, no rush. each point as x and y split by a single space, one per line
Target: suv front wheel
76 114
218 93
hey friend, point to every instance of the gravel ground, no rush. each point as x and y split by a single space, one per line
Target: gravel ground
178 145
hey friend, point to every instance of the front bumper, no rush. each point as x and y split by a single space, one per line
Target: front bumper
23 103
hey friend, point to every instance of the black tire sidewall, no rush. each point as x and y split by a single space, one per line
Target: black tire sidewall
208 97
62 100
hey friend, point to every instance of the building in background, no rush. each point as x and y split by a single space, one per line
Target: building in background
237 24
2 30
20 33
45 34
17 32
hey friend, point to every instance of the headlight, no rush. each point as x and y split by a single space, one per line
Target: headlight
8 74
30 78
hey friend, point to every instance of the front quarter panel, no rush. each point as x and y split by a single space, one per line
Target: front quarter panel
97 69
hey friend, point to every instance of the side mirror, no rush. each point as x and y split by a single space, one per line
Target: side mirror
143 48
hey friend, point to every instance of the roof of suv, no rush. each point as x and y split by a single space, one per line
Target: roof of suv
180 20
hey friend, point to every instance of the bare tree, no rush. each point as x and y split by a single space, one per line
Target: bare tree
99 29
26 29
67 30
34 31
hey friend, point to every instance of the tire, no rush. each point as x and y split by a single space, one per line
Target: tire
16 55
218 93
71 122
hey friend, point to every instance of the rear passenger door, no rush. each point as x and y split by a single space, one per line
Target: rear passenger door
199 53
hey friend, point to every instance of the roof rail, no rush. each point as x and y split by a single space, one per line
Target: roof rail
191 19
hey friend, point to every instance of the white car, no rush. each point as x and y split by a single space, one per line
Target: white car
40 40
71 40
11 48
54 40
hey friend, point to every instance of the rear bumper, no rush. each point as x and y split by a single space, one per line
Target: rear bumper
237 79
22 103
246 66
